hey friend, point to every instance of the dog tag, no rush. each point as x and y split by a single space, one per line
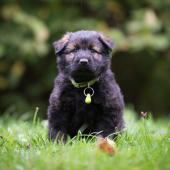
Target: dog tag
88 99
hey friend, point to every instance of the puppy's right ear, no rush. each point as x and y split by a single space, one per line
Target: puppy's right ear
61 43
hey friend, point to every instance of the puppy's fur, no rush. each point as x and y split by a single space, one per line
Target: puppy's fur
68 111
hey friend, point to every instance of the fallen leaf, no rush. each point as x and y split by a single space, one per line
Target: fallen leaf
106 145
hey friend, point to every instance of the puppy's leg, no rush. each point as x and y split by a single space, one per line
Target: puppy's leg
57 124
111 120
111 123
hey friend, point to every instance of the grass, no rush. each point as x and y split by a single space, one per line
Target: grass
145 145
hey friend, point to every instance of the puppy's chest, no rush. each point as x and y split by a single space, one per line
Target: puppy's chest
81 110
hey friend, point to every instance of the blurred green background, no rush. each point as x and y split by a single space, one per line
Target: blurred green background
141 61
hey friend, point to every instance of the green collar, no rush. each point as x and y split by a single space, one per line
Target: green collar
83 84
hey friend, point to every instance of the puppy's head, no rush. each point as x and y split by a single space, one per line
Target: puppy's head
83 55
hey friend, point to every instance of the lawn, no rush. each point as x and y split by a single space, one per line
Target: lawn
145 145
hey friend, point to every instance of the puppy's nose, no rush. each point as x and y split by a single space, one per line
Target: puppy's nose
83 61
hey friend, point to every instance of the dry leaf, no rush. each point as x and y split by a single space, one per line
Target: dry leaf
106 145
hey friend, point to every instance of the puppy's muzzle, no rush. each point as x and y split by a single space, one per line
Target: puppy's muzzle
83 61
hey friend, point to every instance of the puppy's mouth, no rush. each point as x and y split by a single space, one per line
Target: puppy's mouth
81 74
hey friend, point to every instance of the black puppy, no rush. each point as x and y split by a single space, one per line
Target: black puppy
85 92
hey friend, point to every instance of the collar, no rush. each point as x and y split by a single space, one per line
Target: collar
83 84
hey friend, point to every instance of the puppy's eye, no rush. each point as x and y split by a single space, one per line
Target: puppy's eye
94 51
74 50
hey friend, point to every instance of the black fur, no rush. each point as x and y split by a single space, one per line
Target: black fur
67 111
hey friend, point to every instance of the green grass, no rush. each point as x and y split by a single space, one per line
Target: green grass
145 145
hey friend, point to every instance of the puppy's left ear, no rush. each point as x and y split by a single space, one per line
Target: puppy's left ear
61 43
107 42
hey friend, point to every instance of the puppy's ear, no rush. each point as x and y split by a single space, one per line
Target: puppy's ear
107 42
61 43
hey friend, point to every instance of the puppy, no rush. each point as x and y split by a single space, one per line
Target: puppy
85 93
